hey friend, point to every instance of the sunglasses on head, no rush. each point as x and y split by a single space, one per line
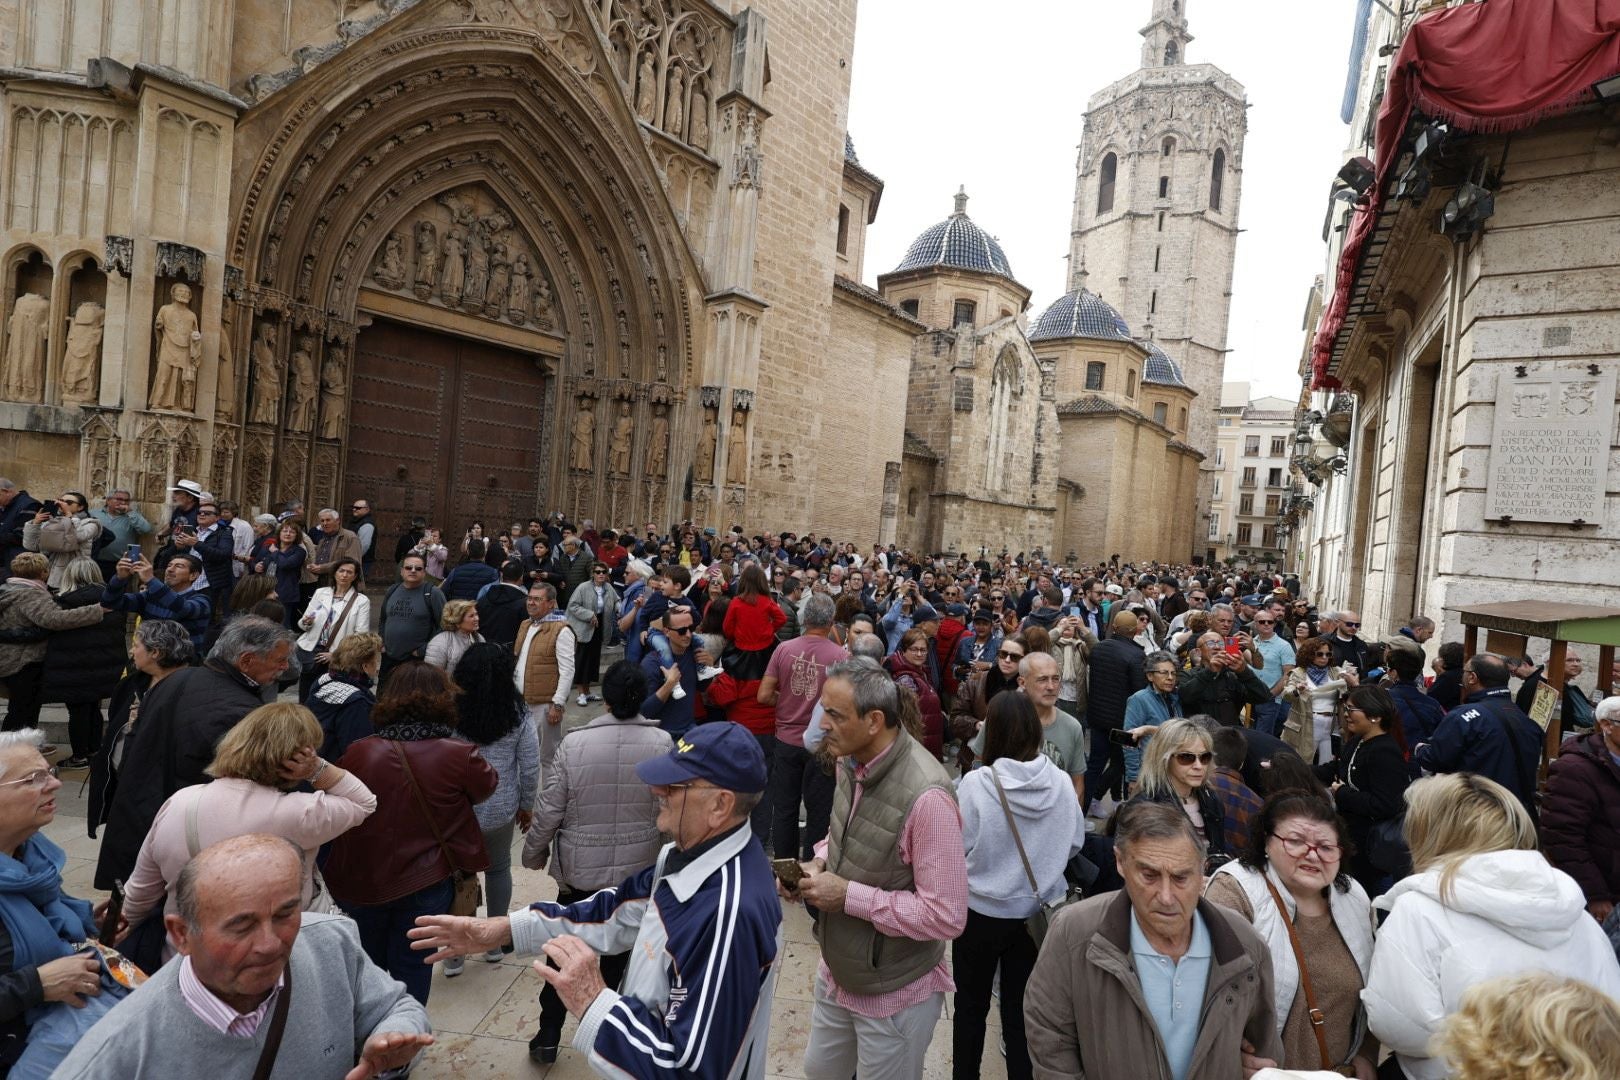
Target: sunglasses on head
1187 757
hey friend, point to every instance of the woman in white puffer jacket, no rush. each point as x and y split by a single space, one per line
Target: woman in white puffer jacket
1482 902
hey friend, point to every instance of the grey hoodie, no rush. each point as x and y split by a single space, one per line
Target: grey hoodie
1049 824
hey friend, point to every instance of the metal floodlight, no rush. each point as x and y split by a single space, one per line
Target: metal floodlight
1358 174
1466 211
1415 182
1428 140
1607 90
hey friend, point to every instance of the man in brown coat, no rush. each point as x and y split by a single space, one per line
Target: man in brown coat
332 542
1152 981
545 666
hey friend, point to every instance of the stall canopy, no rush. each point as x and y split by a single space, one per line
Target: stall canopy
1496 66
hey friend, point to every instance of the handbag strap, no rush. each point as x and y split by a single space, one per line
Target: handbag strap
421 804
1317 1018
193 840
278 1024
1001 793
328 636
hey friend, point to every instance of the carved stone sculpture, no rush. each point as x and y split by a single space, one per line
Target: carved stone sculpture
179 351
698 129
500 276
545 308
708 442
224 374
334 398
518 293
390 269
658 442
583 437
455 265
647 89
737 449
266 376
675 105
301 416
427 259
27 334
83 351
472 290
624 433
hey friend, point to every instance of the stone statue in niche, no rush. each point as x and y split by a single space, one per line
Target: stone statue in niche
225 374
334 397
472 290
390 269
27 334
500 277
624 433
674 107
647 89
658 442
582 439
266 376
708 442
179 351
83 350
545 308
301 415
455 265
698 130
427 259
517 293
737 449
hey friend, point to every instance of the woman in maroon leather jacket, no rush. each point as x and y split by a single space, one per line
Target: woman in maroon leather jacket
391 867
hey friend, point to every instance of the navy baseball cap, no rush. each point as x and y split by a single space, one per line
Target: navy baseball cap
725 754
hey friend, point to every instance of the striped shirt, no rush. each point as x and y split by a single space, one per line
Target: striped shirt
218 1015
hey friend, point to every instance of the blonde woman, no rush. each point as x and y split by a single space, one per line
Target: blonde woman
1482 902
257 768
1176 763
1533 1027
458 632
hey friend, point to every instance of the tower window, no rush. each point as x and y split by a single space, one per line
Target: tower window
1168 148
1157 251
909 307
1172 55
1130 383
1094 374
1105 183
1153 303
1161 414
1164 187
1161 221
1217 176
843 230
963 313
1183 419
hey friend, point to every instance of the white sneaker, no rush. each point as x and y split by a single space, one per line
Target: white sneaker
678 693
494 956
710 672
454 966
583 700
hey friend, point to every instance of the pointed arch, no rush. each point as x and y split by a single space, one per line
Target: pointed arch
1217 178
1107 175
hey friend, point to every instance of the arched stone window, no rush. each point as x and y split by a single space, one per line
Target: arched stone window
911 502
1217 178
910 307
1006 383
1130 383
1161 414
1168 147
843 230
1105 183
1183 426
1172 55
1095 372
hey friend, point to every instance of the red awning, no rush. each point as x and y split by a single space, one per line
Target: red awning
1499 65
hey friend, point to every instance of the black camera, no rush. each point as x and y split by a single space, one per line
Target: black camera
51 507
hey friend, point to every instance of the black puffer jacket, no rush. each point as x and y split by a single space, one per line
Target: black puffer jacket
1116 674
1580 817
85 664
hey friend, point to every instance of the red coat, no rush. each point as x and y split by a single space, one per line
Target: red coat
933 717
740 702
951 631
751 622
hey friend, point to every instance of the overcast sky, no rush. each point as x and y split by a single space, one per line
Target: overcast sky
992 95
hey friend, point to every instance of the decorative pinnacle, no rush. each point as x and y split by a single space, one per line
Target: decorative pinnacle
961 201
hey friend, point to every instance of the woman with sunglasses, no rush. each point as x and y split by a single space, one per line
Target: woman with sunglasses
1313 690
973 703
1290 883
1175 766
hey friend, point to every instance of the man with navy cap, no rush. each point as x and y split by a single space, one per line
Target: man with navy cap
702 926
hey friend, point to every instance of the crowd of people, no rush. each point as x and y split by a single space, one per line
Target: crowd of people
1172 821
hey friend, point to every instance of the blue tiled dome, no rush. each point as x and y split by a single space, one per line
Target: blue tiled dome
1160 368
956 242
1080 314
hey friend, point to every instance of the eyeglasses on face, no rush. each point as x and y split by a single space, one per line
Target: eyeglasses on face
1265 622
1187 757
1162 671
1298 847
38 778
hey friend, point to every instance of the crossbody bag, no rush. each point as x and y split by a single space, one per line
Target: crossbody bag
1038 923
468 894
1317 1018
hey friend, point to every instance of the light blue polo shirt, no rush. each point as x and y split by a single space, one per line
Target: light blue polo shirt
1174 991
1277 654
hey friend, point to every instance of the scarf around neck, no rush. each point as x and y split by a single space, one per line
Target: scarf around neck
42 920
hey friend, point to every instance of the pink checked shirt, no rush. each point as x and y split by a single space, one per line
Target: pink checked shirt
935 909
215 1013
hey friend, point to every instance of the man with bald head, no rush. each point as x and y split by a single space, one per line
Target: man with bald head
256 978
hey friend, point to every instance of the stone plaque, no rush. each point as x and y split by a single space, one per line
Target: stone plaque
1550 446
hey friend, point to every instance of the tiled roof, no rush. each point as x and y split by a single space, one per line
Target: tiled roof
1089 405
915 447
849 150
871 295
1160 368
1080 314
956 242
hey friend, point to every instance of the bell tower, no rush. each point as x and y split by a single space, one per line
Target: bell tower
1165 38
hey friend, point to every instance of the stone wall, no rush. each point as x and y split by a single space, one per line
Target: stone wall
862 419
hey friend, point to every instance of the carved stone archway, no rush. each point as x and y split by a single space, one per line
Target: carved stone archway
488 135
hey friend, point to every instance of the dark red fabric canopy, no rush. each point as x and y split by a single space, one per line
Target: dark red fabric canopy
1499 65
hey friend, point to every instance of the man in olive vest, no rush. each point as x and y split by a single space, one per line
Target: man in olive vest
545 666
890 883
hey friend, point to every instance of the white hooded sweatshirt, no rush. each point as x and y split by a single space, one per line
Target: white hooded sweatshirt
1509 912
1050 825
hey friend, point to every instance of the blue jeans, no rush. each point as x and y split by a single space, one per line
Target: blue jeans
382 935
660 644
1269 717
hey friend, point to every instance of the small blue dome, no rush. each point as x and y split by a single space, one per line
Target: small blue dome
958 243
1080 314
1160 368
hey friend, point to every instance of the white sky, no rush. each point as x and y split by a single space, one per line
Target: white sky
992 95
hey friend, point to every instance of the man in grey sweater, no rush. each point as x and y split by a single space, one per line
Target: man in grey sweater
247 954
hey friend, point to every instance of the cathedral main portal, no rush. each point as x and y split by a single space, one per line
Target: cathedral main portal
446 429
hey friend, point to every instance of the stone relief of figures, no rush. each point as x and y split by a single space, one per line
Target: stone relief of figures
674 102
27 334
427 259
623 439
545 307
737 449
647 88
79 362
390 269
301 414
266 376
500 277
225 373
698 131
708 442
666 53
472 290
658 442
334 397
582 437
455 265
517 293
179 351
